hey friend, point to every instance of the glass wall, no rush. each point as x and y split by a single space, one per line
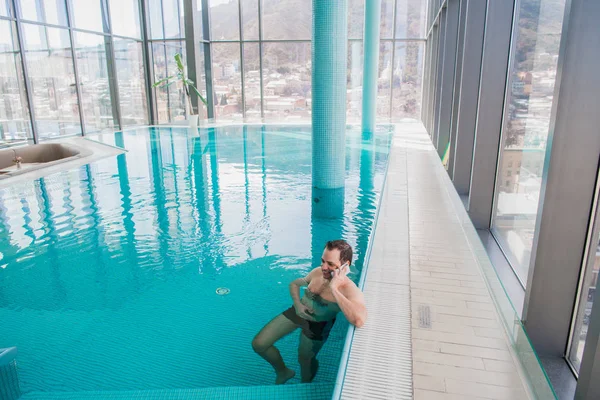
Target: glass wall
227 80
407 80
170 100
132 81
45 11
167 32
90 64
587 288
84 63
14 116
51 77
401 59
586 301
287 79
283 49
532 75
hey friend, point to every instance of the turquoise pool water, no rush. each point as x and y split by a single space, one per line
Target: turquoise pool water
109 272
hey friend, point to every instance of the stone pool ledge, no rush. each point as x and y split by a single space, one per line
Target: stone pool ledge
433 331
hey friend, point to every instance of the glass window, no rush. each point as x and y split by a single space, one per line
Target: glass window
88 15
132 82
198 19
356 18
125 18
171 100
159 62
525 132
227 80
224 20
387 19
14 115
49 11
4 8
156 21
178 106
354 79
410 19
383 82
287 19
90 53
252 80
52 79
173 17
201 79
587 294
407 80
287 80
250 19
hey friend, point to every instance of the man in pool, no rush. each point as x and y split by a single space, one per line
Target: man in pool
328 291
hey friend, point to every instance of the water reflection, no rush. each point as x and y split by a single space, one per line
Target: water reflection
135 246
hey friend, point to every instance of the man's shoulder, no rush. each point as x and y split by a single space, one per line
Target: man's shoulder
350 286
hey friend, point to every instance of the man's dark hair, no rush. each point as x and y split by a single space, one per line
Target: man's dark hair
344 248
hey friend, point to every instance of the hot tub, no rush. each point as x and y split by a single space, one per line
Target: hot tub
37 156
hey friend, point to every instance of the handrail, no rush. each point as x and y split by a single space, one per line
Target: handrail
7 355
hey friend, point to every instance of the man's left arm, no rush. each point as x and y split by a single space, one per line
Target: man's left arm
352 303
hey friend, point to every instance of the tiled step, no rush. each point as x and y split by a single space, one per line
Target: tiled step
312 391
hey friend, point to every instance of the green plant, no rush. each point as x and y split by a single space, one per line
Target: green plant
184 80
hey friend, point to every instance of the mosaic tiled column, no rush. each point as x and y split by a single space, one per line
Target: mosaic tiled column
329 58
9 376
370 66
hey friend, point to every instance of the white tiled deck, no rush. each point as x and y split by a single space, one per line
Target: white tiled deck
459 349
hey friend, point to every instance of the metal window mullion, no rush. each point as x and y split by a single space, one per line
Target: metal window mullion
113 82
425 92
462 8
164 35
242 69
28 88
210 109
280 40
76 69
469 94
164 46
181 32
148 65
41 10
179 40
393 57
497 38
191 41
570 166
260 59
585 272
448 76
435 20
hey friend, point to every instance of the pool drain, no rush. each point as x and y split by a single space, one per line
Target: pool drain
222 291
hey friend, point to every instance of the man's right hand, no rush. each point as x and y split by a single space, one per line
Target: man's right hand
304 311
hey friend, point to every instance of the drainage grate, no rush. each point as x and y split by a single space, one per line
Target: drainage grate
424 317
380 361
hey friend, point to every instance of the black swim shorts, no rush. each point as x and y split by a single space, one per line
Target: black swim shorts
311 329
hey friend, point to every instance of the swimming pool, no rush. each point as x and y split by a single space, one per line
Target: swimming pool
109 273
